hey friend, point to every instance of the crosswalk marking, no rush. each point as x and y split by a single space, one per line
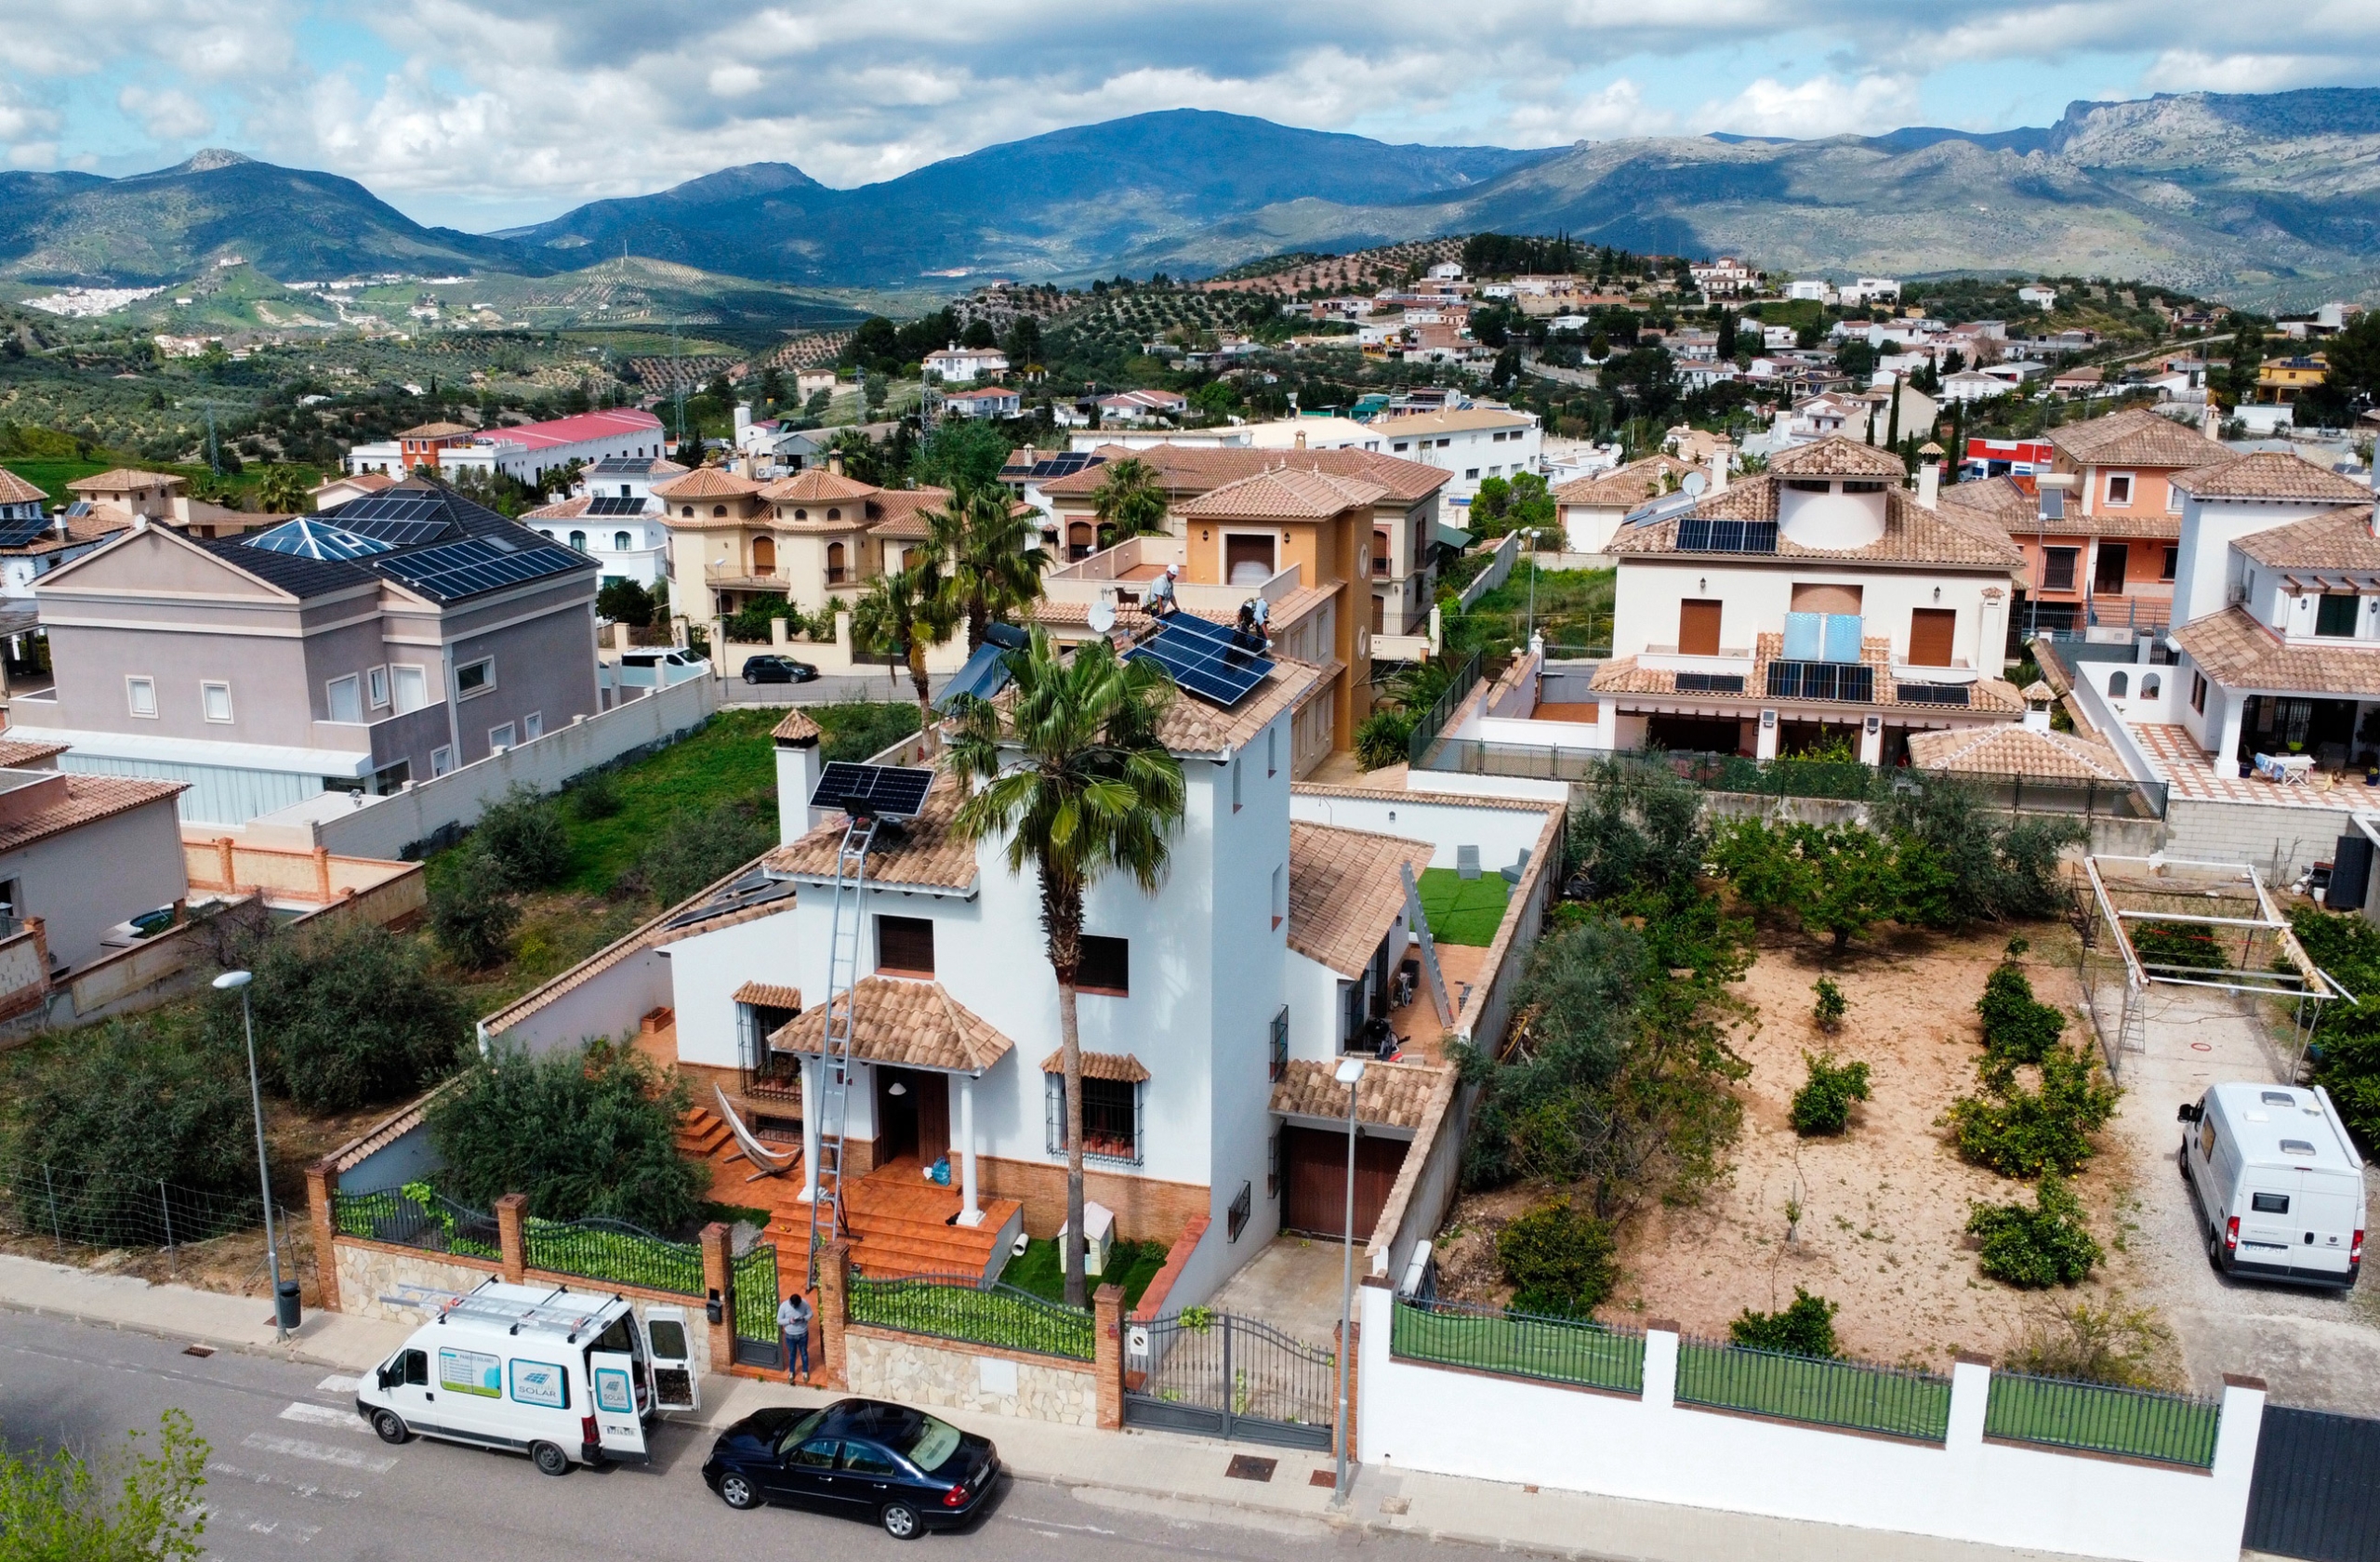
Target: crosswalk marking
350 1459
297 1487
323 1415
335 1383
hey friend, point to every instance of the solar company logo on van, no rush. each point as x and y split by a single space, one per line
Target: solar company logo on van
612 1391
539 1382
470 1373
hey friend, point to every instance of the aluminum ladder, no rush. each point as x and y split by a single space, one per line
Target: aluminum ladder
826 1219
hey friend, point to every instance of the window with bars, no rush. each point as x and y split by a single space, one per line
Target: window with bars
1281 1045
1242 1207
1111 1118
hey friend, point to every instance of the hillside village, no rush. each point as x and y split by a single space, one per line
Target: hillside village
1688 825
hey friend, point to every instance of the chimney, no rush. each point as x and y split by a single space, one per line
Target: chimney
1929 484
1719 463
1300 439
2210 423
834 462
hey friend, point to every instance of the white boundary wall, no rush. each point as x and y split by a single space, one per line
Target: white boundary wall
1492 1427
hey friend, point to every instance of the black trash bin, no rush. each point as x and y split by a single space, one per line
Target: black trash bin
288 1304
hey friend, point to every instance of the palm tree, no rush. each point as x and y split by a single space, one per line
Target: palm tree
283 490
1069 766
907 609
1129 501
991 555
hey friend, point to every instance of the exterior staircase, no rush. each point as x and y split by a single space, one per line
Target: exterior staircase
901 1225
701 1137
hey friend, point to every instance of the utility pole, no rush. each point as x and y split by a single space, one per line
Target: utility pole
214 455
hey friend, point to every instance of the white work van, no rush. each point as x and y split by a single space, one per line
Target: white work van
2276 1182
565 1377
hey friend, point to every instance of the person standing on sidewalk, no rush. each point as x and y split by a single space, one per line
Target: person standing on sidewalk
793 1322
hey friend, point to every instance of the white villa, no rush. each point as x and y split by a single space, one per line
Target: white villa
613 518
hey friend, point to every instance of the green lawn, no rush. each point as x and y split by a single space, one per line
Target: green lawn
731 757
984 1318
1464 910
1131 1264
51 477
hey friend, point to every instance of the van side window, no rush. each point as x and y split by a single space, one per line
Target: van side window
2270 1203
2206 1139
418 1367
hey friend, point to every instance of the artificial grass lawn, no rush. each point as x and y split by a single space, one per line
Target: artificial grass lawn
1039 1270
1463 911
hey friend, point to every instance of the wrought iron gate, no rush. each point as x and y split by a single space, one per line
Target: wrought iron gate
1222 1376
2317 1487
752 1283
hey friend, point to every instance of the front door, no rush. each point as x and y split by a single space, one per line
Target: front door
896 1115
2107 572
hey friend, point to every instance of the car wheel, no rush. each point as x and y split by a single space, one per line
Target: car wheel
2214 1250
738 1492
748 676
900 1521
390 1425
550 1459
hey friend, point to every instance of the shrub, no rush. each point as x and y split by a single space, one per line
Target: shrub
1823 1105
1382 739
521 833
2016 1026
119 1102
623 600
349 1018
1976 868
696 850
471 914
2347 1037
596 795
2191 945
2129 1348
1559 1257
861 729
1804 1328
1830 1006
139 1500
2043 1246
2021 1133
587 1130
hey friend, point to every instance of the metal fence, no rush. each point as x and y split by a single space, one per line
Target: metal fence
597 1249
2097 1418
978 1311
414 1216
1433 721
70 1208
1495 1340
1894 1401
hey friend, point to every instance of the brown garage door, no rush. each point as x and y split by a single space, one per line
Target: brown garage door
1932 633
1314 1161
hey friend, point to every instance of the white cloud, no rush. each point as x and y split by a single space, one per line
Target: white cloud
169 114
1617 109
1820 106
2194 70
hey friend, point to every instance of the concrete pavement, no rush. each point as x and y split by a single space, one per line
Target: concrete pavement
1144 1488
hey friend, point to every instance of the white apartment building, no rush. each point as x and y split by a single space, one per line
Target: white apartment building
964 366
1471 445
613 518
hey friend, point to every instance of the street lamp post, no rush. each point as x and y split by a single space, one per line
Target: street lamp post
1351 1073
238 981
1532 583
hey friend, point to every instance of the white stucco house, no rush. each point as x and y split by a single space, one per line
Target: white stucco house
1472 443
613 518
964 366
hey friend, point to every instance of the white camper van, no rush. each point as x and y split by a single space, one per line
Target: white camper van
2276 1182
566 1377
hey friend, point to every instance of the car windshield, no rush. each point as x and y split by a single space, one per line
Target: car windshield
934 1443
797 1432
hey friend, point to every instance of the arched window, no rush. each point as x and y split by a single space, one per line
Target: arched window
834 515
548 536
2149 686
718 512
620 543
578 541
834 563
1080 540
2119 685
687 511
801 515
764 556
1380 553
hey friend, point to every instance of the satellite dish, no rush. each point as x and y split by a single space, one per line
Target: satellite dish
1695 482
1102 615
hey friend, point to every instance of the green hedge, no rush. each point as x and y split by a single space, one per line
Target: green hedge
993 1314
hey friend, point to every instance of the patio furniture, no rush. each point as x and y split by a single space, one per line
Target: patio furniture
1513 875
1466 862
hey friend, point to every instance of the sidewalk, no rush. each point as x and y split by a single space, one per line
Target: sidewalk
1144 1471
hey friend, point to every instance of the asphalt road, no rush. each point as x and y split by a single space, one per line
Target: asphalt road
822 691
294 1473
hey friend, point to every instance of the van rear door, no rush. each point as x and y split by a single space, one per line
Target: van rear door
619 1429
676 1382
2332 1212
2269 1209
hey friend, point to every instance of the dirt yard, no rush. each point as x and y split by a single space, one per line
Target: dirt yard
1884 1208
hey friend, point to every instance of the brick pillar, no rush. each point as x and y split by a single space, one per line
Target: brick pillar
512 1245
1350 1345
322 874
833 1304
224 868
321 1181
1107 1355
718 1281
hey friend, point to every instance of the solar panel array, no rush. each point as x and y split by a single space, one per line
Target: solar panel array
476 565
311 539
1210 661
16 530
614 504
391 506
888 791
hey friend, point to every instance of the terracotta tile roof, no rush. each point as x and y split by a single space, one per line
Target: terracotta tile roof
101 523
1346 886
797 729
1284 494
85 799
1912 534
817 485
2009 504
2001 500
2239 653
1186 470
706 483
2137 438
1391 1094
1190 725
769 995
2270 474
567 510
1837 457
1624 675
1452 422
22 753
928 854
1372 794
1122 1067
367 482
16 490
2339 540
121 478
903 512
432 431
907 1023
2012 748
1626 488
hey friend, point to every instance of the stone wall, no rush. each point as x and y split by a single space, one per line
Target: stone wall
2280 841
912 1370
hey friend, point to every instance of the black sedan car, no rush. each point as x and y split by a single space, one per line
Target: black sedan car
899 1468
777 670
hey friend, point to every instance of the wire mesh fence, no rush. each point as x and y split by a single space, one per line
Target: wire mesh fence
70 1208
416 1216
982 1313
2099 1418
1896 1401
1494 1339
597 1249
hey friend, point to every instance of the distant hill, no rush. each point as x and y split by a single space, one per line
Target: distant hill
158 227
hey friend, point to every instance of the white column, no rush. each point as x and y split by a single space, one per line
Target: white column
2227 743
969 1214
1766 748
1871 741
1661 1365
810 1094
1970 1396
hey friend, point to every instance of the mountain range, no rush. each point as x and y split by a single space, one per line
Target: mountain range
2266 198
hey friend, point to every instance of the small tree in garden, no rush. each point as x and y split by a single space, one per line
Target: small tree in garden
56 1507
1822 1107
472 912
2021 1133
521 833
1830 1006
1560 1258
2017 1027
348 1018
1804 1328
2047 1245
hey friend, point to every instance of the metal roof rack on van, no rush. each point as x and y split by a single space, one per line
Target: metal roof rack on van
568 1317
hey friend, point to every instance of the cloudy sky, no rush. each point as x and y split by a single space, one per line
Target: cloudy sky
484 113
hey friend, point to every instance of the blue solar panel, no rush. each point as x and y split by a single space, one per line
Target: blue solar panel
476 565
20 530
615 504
392 506
1210 661
396 534
889 791
312 539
